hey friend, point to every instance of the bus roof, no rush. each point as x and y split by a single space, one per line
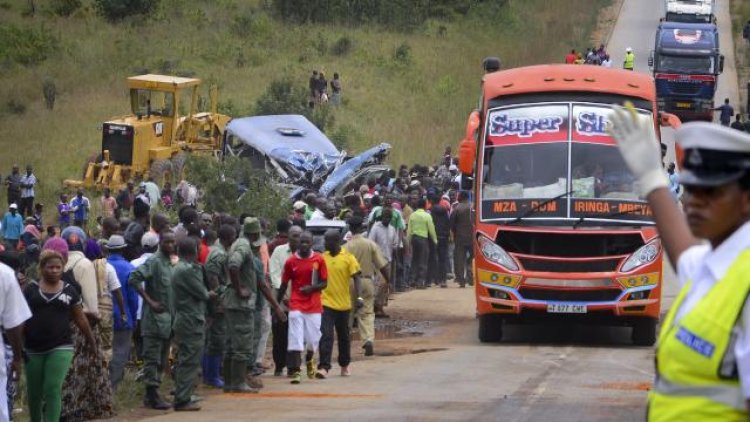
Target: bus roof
568 78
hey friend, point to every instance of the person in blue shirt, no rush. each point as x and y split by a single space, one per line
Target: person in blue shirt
727 111
124 320
12 227
80 206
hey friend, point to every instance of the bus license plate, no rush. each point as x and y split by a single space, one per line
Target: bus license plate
564 308
684 105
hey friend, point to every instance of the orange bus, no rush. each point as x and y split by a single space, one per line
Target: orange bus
560 228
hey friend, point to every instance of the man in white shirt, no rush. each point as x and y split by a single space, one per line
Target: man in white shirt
275 268
13 312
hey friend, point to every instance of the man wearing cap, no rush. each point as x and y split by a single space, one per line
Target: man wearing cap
262 317
629 63
218 280
12 227
148 246
703 354
124 319
299 208
239 306
153 282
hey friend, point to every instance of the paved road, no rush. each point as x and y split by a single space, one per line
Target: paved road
561 373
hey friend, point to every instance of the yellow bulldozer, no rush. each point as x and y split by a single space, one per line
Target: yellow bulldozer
155 140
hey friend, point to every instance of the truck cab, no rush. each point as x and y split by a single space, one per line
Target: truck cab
690 11
686 63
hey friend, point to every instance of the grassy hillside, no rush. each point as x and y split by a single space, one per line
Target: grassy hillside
412 89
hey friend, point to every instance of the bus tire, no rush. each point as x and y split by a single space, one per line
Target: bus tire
490 328
644 332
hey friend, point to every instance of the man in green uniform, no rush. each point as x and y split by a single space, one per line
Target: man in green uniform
190 297
156 324
239 303
253 379
218 279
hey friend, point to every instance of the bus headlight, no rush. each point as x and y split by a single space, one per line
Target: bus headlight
494 253
646 254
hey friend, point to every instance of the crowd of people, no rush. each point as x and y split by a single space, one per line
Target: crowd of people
593 56
203 295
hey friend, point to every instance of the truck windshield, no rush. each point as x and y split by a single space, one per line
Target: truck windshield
537 152
685 64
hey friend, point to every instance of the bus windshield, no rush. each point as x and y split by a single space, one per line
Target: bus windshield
536 152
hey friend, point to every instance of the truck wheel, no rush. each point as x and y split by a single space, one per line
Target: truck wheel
644 332
490 328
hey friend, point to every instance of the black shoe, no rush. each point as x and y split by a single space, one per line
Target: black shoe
278 373
187 407
152 400
368 348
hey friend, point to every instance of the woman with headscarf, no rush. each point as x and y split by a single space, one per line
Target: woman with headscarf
30 236
56 307
87 392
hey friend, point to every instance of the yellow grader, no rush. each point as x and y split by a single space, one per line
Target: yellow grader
155 139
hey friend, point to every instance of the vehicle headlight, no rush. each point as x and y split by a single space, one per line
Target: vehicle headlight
494 253
645 255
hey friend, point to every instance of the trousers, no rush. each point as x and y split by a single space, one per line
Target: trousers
337 321
439 261
419 258
366 314
155 351
45 374
280 340
216 335
121 343
462 258
262 329
240 326
190 348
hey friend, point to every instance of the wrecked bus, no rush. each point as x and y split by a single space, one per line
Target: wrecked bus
560 229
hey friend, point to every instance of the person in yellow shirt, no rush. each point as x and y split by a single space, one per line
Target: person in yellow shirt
421 230
343 268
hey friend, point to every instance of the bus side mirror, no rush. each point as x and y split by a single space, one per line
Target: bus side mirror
467 149
721 63
669 120
651 59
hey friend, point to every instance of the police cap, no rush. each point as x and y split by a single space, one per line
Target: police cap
714 155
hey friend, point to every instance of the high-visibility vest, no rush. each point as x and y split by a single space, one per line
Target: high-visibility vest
629 61
696 369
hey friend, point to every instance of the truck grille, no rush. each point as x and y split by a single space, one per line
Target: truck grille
683 88
574 244
606 265
118 139
606 295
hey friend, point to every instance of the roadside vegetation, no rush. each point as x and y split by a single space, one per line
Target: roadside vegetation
410 69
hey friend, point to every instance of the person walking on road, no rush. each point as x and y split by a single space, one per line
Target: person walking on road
306 271
726 112
462 225
371 261
629 63
703 353
190 298
420 232
158 312
343 270
123 319
280 328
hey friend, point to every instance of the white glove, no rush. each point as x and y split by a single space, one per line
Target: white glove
639 147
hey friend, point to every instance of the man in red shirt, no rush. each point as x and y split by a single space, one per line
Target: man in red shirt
571 58
308 274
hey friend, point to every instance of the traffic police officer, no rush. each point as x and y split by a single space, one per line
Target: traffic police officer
703 353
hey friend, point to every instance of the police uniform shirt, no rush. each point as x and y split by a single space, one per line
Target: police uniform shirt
704 267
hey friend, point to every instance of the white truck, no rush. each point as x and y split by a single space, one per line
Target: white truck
690 11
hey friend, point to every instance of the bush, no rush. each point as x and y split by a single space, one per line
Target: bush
26 46
342 46
117 10
402 54
65 7
345 137
15 106
49 89
284 96
222 183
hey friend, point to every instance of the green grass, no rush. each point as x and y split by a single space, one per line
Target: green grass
419 106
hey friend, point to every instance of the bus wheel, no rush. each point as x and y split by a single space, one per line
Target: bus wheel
644 332
490 328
